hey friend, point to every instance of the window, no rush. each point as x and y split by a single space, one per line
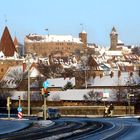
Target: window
2 70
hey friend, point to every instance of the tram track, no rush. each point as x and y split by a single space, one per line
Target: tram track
108 133
79 130
123 129
58 131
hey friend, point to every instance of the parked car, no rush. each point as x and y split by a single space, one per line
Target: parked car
52 113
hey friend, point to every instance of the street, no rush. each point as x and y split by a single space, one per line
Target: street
120 128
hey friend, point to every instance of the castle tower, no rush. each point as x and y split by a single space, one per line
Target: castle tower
83 36
113 39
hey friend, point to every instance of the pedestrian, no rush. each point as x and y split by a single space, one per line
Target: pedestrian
106 111
111 109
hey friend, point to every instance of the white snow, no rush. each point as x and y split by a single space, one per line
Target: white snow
60 82
53 38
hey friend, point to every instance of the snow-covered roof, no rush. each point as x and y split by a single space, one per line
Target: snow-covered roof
120 42
106 80
51 38
12 77
113 53
2 54
83 32
15 75
34 72
77 94
60 82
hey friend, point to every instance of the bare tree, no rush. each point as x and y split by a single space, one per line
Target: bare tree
92 96
56 98
4 93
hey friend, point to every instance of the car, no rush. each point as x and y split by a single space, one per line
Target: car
52 113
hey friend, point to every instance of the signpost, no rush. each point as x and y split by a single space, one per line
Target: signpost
8 106
129 95
105 96
19 108
45 94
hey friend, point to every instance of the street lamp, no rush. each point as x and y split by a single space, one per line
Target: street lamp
28 92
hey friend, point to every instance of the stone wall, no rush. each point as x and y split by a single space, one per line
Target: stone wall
44 49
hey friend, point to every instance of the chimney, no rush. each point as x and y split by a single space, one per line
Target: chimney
24 66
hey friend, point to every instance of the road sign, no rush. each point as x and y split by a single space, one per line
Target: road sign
45 84
20 115
19 109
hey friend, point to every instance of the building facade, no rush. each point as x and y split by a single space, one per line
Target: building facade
45 45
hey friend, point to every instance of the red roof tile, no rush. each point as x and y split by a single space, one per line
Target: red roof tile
6 45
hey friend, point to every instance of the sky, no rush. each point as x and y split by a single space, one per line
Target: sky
64 17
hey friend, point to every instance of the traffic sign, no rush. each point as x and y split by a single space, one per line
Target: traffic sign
20 115
46 84
19 109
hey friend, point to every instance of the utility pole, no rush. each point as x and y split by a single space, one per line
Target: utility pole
29 92
45 108
85 79
8 106
45 94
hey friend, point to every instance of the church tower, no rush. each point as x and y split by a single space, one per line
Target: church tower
83 37
113 39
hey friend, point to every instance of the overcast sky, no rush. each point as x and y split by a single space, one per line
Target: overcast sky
65 16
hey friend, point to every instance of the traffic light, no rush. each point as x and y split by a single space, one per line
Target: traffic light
42 91
8 102
45 92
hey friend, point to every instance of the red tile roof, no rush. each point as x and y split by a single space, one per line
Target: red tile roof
15 41
6 44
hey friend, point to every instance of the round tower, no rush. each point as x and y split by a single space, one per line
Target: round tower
113 39
83 37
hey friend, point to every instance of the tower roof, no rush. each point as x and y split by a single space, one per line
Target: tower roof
83 32
15 41
113 31
6 44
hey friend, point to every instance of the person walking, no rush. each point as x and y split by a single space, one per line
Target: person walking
106 111
111 109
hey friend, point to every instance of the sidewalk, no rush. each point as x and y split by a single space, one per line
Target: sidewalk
8 126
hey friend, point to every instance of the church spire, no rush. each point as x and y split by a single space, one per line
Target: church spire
6 44
113 31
